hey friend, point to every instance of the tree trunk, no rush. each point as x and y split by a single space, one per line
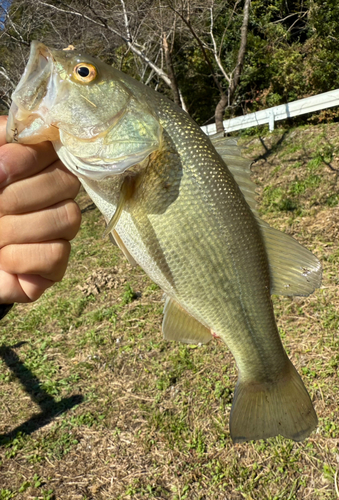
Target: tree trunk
241 54
227 101
170 71
219 112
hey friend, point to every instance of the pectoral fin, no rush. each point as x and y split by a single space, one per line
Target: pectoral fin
181 326
123 248
126 192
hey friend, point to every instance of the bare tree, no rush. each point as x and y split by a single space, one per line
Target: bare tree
117 30
134 26
210 50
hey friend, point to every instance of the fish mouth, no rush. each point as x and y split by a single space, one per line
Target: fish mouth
27 118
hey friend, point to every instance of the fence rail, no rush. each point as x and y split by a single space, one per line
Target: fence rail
271 115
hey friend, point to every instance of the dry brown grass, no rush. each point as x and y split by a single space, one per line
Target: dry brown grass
152 416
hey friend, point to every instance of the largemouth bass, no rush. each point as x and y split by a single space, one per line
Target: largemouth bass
176 209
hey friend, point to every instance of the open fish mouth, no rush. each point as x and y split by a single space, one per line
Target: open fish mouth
33 85
98 136
36 91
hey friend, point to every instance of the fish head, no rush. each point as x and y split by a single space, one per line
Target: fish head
98 122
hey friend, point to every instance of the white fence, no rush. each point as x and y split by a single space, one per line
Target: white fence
270 115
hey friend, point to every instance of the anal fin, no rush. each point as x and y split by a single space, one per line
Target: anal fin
181 326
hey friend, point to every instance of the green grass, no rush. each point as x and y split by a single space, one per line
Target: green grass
149 418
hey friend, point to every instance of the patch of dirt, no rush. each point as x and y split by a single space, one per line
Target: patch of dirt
101 279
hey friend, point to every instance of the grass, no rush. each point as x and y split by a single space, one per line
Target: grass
94 404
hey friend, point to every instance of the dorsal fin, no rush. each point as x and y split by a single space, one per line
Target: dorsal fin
239 166
181 326
294 270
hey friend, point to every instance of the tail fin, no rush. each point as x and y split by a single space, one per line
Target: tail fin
262 410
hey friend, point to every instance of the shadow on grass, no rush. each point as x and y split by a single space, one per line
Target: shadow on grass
32 386
273 148
329 151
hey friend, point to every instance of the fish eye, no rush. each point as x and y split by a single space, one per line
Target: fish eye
84 72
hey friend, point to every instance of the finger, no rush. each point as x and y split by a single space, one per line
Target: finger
48 259
22 288
3 123
52 185
61 221
33 286
10 289
18 161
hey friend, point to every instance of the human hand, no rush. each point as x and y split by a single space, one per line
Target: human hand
38 218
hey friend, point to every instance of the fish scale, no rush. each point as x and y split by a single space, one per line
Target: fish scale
231 225
174 207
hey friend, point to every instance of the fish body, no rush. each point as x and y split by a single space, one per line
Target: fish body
175 208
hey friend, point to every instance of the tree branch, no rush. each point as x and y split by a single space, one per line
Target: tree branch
3 72
241 53
103 23
202 48
215 51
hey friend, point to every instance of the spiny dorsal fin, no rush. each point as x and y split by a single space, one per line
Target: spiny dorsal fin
181 326
294 270
239 166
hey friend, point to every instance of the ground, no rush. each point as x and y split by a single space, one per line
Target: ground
94 404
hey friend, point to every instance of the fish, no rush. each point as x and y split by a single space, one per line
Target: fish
182 206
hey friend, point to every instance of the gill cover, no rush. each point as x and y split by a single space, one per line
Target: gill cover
86 109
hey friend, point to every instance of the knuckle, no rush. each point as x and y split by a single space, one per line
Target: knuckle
8 258
72 217
10 201
69 181
5 231
59 254
16 158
